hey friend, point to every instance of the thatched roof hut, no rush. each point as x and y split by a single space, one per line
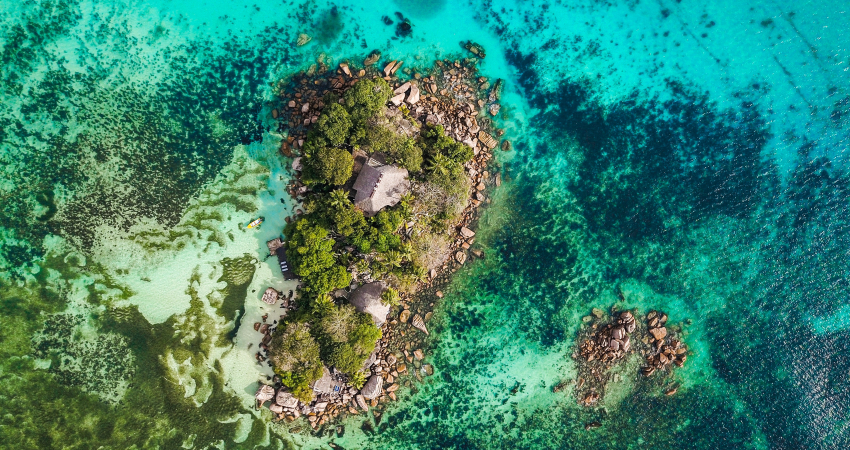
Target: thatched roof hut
367 299
270 296
379 186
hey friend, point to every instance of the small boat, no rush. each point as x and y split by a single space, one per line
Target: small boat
256 222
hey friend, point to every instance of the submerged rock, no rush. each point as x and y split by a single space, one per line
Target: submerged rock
303 39
372 58
475 49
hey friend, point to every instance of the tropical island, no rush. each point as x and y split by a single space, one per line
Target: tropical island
391 173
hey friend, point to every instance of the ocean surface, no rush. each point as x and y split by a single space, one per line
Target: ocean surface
684 155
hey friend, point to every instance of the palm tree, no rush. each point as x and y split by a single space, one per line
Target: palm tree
323 305
338 199
393 259
438 164
406 251
390 297
419 273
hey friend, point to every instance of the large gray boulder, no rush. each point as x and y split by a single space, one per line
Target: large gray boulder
367 299
286 400
373 387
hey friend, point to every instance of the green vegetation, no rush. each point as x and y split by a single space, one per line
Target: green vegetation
390 297
401 150
327 154
364 101
334 238
294 354
310 251
328 165
357 380
348 338
332 127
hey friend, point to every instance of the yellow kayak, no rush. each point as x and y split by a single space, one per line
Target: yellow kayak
256 222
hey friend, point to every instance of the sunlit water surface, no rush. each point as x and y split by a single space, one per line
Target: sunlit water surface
691 155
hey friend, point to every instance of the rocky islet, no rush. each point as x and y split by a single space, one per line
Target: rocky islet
451 94
619 344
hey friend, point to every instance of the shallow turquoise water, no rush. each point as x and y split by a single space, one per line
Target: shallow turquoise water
689 155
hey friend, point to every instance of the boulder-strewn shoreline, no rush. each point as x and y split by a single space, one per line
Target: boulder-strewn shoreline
450 94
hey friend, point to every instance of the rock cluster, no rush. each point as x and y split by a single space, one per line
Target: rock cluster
609 347
385 370
610 342
663 348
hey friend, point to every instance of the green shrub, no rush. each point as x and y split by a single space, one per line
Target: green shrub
330 279
357 379
332 127
294 354
335 211
327 165
347 338
390 297
338 324
345 358
408 155
365 100
310 252
388 220
308 247
399 149
436 142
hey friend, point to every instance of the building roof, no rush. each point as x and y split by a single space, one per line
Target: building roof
284 265
379 187
367 299
270 296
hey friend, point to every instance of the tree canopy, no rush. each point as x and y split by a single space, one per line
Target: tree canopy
348 337
310 252
328 165
294 354
332 127
436 142
363 101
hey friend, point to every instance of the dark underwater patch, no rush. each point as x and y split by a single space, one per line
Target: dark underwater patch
168 138
686 162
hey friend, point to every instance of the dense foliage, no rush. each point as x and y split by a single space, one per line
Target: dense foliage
327 154
328 165
348 337
365 100
401 150
294 354
310 252
332 127
334 238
